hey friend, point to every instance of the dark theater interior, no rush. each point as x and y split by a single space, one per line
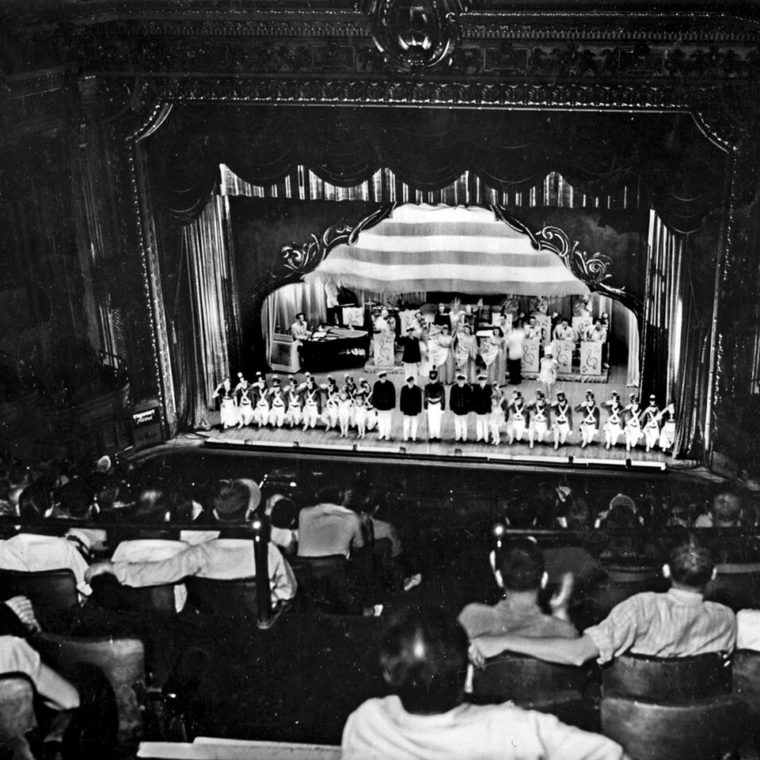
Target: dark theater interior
380 379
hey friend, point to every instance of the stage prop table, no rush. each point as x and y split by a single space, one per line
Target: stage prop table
531 358
591 357
337 348
384 345
563 353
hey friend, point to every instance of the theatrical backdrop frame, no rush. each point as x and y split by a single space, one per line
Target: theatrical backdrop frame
213 88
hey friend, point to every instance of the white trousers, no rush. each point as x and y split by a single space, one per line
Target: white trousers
384 423
410 426
460 427
515 430
481 427
561 431
310 414
611 434
588 432
651 435
434 415
277 415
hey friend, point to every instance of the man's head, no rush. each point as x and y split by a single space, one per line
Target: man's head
690 565
423 655
519 566
460 379
727 510
230 500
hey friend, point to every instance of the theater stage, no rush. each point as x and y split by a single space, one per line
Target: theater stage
570 455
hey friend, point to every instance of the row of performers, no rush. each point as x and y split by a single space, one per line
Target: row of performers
364 408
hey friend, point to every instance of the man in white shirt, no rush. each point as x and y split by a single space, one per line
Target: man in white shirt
423 656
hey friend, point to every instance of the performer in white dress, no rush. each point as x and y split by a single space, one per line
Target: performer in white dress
632 427
613 428
547 373
668 429
496 418
344 404
518 417
589 419
650 420
563 420
228 412
440 354
351 390
540 418
293 400
465 351
360 412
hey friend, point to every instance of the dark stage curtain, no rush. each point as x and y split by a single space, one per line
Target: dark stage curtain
664 157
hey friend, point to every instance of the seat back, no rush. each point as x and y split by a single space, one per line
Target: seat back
668 680
746 671
17 716
737 585
327 584
52 591
112 595
227 598
621 583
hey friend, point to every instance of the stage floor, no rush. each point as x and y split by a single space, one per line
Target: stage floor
569 454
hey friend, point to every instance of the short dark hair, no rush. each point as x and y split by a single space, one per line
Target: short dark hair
329 495
75 498
284 514
727 507
423 653
230 500
690 563
521 564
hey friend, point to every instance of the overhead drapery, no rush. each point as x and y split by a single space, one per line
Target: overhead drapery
458 249
635 159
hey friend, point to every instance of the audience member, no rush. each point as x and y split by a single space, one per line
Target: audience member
677 623
329 527
519 570
726 512
423 656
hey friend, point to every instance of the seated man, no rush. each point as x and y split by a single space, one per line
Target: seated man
423 656
519 570
17 621
726 512
329 527
218 558
677 623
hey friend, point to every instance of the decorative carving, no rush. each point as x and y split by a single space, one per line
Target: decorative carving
415 35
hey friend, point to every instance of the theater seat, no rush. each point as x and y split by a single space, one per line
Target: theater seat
737 585
327 585
227 598
17 717
50 591
121 661
535 684
109 594
746 671
672 708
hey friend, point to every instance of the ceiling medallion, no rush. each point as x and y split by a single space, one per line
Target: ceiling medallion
415 35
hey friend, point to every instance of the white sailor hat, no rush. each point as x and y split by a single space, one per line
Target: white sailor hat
410 379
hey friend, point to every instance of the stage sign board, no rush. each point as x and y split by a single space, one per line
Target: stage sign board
385 350
543 321
563 353
353 316
581 325
146 424
591 358
530 360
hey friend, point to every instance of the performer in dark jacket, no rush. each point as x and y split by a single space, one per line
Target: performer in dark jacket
481 405
384 401
410 404
412 356
460 403
589 420
435 404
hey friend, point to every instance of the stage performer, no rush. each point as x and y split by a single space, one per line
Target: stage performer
492 355
547 372
533 331
299 330
563 420
614 425
412 356
650 421
364 386
261 401
632 427
384 401
481 405
245 406
311 394
496 417
228 412
330 416
596 333
351 391
590 419
668 431
276 404
344 402
563 331
460 400
441 355
518 417
442 317
360 412
540 416
435 405
294 402
410 404
465 351
515 348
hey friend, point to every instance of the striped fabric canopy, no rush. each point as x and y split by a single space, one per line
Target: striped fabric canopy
444 248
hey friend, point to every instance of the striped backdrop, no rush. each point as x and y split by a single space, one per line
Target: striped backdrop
444 248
